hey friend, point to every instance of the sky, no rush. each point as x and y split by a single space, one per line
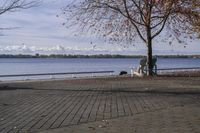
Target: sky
39 30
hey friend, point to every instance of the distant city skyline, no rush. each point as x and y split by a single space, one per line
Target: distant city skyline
39 30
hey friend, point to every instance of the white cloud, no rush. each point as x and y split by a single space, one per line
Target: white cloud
61 49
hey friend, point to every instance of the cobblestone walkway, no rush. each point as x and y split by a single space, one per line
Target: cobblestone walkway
39 110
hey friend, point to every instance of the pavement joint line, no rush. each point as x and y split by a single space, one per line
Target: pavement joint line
18 111
86 108
71 103
92 107
49 111
20 117
65 126
65 108
81 102
49 105
70 111
62 108
14 106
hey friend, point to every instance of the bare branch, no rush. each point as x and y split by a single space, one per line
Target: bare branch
13 5
127 19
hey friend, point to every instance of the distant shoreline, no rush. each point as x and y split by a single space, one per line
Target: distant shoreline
91 56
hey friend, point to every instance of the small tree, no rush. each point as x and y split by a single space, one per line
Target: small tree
122 20
13 5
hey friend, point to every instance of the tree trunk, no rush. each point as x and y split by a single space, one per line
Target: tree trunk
149 53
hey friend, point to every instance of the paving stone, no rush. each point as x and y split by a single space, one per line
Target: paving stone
43 109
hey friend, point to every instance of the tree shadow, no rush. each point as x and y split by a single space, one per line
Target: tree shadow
9 88
112 91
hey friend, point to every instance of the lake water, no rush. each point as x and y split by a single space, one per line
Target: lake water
57 65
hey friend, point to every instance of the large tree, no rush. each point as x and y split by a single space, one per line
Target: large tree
197 27
122 20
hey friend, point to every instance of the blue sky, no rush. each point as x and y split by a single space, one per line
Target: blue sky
40 31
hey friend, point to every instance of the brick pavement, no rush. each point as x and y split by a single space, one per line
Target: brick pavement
180 119
33 110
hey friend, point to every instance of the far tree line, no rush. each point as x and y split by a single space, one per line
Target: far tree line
91 56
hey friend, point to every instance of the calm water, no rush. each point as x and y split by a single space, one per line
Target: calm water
29 66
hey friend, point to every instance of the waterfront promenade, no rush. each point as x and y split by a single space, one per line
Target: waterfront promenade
98 105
